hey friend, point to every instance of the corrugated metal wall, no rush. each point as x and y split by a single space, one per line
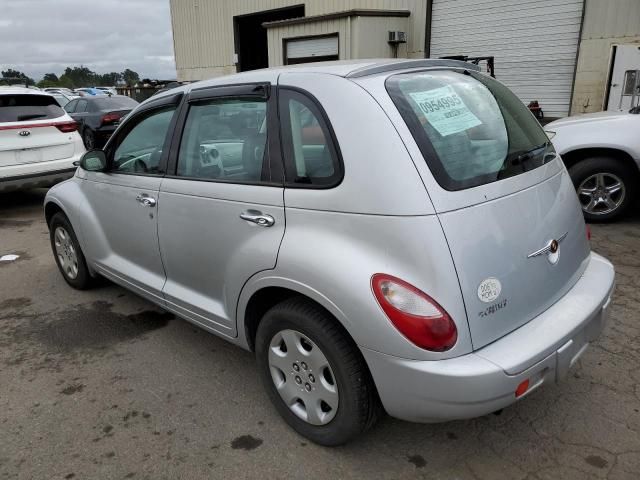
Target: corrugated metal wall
204 38
534 43
606 23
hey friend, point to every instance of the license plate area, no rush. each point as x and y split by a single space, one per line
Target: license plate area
32 155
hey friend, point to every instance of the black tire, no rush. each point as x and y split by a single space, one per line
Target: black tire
89 139
83 279
609 166
359 407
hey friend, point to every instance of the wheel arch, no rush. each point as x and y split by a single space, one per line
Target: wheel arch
573 157
257 299
52 207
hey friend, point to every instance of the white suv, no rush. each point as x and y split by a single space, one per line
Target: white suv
39 141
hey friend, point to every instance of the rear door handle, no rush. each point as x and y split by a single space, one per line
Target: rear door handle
257 217
146 200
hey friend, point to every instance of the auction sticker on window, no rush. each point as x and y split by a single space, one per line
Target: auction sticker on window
445 110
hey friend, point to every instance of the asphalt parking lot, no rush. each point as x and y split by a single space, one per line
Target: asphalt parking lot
101 384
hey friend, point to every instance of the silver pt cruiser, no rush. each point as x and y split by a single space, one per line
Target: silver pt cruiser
393 236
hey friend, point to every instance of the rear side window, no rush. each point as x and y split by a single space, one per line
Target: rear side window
23 108
470 128
310 154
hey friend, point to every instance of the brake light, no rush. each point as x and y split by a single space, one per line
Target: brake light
414 313
110 118
588 228
67 127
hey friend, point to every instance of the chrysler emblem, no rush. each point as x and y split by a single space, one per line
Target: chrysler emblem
552 249
25 133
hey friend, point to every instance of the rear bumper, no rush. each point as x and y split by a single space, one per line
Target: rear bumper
34 175
541 351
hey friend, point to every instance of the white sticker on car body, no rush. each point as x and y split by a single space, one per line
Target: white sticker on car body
445 110
489 289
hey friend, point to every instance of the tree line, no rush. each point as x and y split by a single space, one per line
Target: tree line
73 77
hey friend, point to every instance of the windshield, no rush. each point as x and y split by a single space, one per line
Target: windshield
22 108
470 128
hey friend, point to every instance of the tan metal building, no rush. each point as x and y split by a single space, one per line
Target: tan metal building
570 55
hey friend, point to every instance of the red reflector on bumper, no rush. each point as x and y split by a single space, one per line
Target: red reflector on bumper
522 388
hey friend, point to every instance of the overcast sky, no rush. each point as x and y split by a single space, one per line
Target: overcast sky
42 36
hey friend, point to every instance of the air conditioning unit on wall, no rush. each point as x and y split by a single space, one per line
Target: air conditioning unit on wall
397 37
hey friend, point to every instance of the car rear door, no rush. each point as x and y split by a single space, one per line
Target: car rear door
221 216
505 202
119 222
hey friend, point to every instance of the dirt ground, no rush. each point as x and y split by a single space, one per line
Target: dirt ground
101 384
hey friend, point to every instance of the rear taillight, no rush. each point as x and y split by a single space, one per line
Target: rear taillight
588 229
67 127
110 118
414 313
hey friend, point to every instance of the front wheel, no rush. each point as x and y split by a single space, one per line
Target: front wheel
68 254
314 374
605 188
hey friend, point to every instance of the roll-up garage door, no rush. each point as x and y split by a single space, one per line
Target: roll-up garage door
310 49
534 43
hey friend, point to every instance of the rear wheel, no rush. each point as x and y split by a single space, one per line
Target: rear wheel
314 374
89 139
68 254
605 187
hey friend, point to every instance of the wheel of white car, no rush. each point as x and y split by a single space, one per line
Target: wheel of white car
314 374
606 187
68 254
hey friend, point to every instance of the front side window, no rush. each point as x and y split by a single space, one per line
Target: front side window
225 140
309 151
140 150
471 129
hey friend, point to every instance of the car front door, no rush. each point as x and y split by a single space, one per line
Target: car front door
222 213
120 227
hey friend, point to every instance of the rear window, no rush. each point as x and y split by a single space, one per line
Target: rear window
23 108
115 103
470 128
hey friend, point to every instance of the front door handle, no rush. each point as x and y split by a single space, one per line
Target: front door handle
257 217
146 200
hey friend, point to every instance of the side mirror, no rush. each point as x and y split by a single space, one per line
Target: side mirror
94 161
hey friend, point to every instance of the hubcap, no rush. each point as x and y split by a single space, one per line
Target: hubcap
601 193
303 377
66 253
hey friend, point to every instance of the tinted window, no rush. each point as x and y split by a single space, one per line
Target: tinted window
310 155
115 103
22 108
71 106
81 107
140 150
224 140
62 100
470 128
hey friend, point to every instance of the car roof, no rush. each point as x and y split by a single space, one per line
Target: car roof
341 68
10 90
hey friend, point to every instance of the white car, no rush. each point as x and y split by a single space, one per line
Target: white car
39 141
602 153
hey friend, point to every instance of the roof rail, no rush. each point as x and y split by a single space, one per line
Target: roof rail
404 64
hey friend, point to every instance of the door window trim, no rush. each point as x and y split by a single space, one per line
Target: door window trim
130 123
330 136
272 168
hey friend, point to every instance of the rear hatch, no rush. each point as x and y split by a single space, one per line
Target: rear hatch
34 128
506 204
